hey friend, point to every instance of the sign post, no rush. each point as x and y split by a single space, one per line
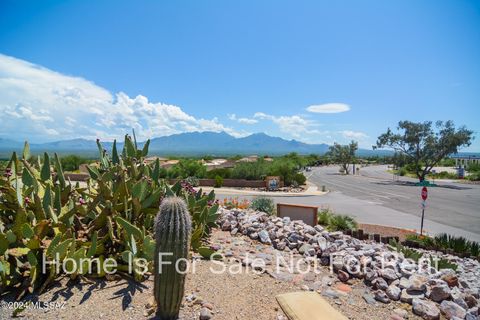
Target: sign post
424 198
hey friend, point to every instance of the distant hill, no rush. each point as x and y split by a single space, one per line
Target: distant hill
190 143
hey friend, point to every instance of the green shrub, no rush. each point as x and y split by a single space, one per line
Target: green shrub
474 249
441 241
72 162
473 167
299 178
324 216
443 175
187 168
459 245
336 222
263 204
250 170
225 173
473 176
218 182
340 222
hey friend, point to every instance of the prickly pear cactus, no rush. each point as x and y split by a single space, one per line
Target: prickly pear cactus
172 234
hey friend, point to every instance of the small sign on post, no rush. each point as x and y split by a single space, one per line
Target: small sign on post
424 204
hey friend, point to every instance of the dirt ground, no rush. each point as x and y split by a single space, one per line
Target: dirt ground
227 296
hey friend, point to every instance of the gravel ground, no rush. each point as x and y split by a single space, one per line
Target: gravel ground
226 296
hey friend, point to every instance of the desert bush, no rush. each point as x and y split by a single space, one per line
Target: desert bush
473 176
341 223
263 204
72 162
299 178
218 182
250 170
324 216
473 167
336 222
402 172
443 175
225 173
187 168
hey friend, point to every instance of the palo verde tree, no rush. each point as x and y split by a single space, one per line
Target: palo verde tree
343 154
425 145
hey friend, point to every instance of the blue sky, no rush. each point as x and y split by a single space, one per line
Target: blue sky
98 68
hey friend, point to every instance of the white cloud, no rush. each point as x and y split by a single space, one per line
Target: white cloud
234 117
348 134
294 125
38 103
329 108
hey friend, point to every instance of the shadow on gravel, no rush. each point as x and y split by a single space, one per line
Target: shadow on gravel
413 184
128 292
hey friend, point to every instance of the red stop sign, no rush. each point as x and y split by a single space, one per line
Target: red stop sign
424 193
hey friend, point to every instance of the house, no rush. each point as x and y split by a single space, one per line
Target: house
219 164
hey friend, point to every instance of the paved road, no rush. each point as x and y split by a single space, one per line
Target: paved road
373 197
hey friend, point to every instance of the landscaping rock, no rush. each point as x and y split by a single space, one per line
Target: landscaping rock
381 296
417 283
389 274
401 313
305 248
205 314
450 309
408 297
343 276
264 237
394 292
425 309
439 293
451 279
369 299
380 283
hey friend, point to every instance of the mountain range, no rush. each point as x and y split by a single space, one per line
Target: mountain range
190 143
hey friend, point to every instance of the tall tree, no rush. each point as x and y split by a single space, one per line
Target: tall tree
425 145
343 154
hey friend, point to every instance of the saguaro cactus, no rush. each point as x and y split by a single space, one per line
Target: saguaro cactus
172 234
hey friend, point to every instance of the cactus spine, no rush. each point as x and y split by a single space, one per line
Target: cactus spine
172 235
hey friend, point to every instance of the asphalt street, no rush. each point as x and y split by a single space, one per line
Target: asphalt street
375 197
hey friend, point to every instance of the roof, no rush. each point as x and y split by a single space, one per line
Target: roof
466 156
